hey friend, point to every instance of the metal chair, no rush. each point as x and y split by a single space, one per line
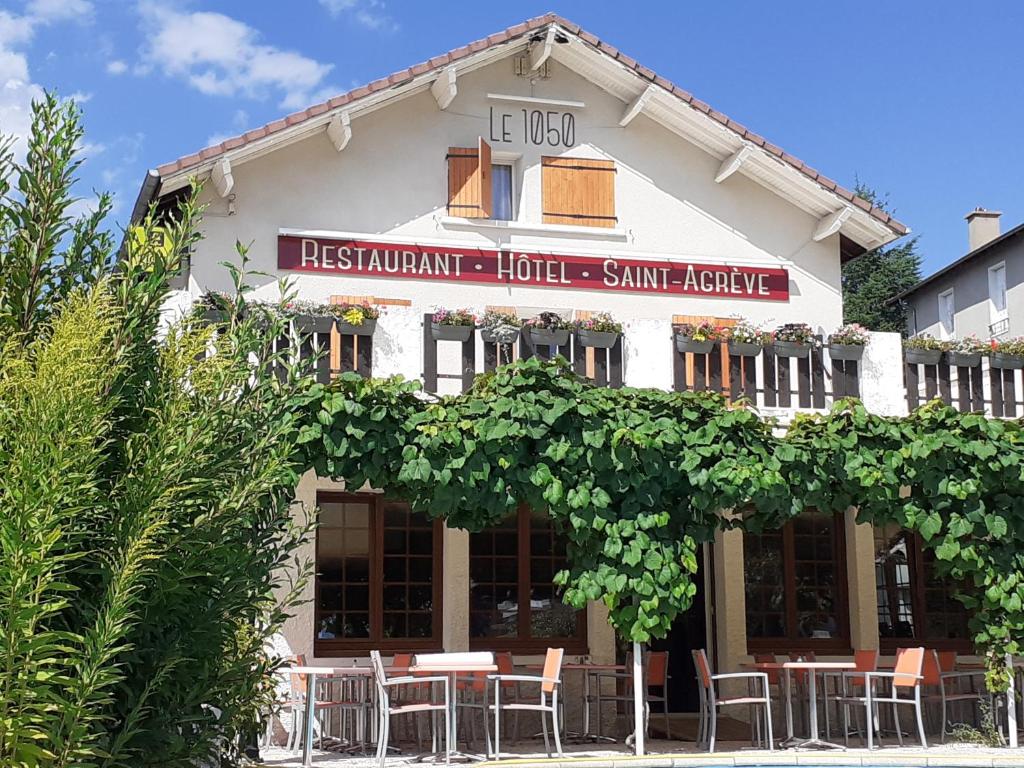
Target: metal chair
906 676
550 680
656 676
323 708
710 700
939 672
387 706
864 661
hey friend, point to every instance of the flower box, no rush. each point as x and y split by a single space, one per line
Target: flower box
597 339
792 348
922 356
366 328
314 323
442 332
745 348
846 351
1003 360
963 359
689 344
214 316
549 337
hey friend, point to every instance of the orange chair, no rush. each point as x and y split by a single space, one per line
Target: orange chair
864 661
657 677
940 673
710 700
907 676
550 680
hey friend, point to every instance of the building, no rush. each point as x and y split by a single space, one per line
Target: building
541 168
980 294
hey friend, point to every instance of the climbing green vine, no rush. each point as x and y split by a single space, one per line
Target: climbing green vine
637 479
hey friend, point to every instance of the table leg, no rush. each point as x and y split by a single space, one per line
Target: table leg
815 740
586 703
812 680
788 684
307 725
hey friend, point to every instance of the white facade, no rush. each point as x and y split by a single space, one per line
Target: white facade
391 180
675 199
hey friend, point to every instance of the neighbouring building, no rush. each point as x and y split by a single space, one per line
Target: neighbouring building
980 294
542 169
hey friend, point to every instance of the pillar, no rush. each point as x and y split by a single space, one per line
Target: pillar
730 602
455 606
860 582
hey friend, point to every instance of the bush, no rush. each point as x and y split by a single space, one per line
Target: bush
146 476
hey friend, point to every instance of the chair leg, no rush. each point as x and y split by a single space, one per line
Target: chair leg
920 724
554 725
383 747
869 722
544 728
714 728
896 722
664 707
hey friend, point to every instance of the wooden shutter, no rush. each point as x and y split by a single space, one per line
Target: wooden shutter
578 191
469 181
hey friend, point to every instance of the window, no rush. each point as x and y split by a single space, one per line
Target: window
796 585
501 192
947 314
470 187
511 566
997 293
578 191
912 603
378 575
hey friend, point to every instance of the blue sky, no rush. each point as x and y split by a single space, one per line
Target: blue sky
921 100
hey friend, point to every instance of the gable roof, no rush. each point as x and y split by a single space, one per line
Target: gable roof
993 244
872 226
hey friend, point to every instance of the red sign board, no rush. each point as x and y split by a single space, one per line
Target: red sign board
367 258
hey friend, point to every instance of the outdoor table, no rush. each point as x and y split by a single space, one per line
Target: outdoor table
812 668
312 673
453 670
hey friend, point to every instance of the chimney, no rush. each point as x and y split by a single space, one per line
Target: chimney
982 227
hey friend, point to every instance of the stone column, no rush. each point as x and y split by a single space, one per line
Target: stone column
860 583
730 603
455 607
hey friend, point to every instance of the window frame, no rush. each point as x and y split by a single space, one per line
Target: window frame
841 643
576 644
509 163
918 605
944 334
327 647
996 315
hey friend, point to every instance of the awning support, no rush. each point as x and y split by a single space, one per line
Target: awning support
638 699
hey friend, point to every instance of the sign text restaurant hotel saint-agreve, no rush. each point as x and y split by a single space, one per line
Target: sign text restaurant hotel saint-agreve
371 258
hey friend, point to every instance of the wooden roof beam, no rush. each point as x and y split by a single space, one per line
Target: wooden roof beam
832 223
221 177
732 163
444 88
339 130
637 106
539 53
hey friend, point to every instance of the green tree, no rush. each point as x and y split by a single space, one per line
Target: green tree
871 281
146 481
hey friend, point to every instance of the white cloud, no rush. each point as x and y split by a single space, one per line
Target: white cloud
369 13
221 56
116 67
17 91
46 11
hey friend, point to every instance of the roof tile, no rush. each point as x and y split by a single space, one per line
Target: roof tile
518 30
